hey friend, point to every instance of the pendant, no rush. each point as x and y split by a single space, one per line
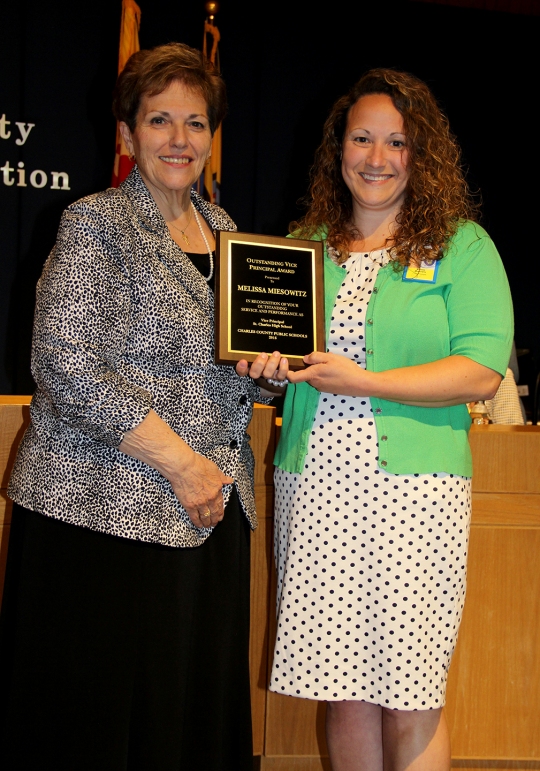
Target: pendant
186 239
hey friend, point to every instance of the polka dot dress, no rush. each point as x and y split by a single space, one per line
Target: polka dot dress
371 565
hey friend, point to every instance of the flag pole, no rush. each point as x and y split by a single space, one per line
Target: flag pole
212 170
129 44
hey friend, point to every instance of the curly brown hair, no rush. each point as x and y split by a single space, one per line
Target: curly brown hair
149 72
437 196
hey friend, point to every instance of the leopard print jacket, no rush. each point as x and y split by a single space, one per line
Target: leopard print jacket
124 323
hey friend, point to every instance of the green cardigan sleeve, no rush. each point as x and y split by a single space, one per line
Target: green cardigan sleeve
479 304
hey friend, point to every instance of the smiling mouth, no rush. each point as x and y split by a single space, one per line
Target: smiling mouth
375 177
177 161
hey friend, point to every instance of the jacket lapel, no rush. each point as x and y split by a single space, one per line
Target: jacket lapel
164 248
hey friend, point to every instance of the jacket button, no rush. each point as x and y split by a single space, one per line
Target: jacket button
378 410
243 399
384 438
370 352
384 463
233 444
375 289
370 322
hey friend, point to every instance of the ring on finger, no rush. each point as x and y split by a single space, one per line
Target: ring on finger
206 514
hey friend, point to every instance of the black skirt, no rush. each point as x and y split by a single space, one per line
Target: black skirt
119 655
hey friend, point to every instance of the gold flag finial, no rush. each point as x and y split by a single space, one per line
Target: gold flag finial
211 29
211 10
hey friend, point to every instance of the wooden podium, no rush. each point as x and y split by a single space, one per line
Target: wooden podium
493 705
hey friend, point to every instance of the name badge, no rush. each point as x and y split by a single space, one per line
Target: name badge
425 273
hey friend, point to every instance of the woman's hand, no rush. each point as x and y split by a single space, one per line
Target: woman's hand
266 366
198 486
334 374
196 481
443 383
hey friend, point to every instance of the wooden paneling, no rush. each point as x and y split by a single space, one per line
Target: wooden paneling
262 432
295 726
289 763
494 683
505 509
493 698
5 521
495 765
260 571
14 417
506 459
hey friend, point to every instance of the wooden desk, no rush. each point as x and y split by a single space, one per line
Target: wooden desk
493 699
493 704
14 417
494 687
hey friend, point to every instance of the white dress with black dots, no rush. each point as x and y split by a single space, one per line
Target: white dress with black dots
371 565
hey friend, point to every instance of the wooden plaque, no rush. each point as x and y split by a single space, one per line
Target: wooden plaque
269 297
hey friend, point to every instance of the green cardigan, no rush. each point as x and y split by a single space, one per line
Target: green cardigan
466 312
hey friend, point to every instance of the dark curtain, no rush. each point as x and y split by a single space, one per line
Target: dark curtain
58 63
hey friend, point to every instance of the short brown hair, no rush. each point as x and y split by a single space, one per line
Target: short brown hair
437 195
151 71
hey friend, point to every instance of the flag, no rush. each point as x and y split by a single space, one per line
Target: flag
209 185
129 43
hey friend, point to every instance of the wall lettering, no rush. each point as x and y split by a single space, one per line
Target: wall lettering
59 180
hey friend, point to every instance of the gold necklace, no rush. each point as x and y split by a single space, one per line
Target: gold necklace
183 232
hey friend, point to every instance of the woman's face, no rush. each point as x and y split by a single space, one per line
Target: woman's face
374 155
172 138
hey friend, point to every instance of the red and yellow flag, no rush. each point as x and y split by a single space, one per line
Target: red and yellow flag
210 183
129 43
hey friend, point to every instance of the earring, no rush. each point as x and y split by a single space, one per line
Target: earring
131 157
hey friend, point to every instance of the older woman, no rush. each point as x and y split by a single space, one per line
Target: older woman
373 467
127 595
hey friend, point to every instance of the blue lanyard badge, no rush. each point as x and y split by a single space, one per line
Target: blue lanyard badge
425 273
